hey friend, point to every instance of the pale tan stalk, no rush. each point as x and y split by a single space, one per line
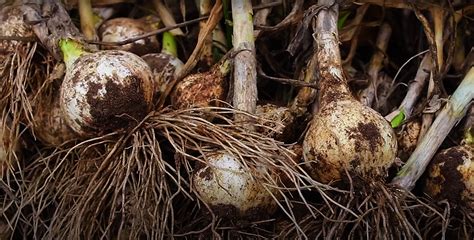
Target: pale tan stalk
438 19
454 110
414 90
206 57
87 20
245 68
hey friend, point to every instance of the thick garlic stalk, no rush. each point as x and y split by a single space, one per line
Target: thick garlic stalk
344 135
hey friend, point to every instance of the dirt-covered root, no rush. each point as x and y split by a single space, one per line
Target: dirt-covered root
369 210
138 183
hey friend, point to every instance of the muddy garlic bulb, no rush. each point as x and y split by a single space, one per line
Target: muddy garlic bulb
451 176
104 91
348 135
120 29
344 135
202 89
12 25
229 190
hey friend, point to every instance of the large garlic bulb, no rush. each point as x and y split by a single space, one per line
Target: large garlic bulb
345 138
346 135
106 91
230 190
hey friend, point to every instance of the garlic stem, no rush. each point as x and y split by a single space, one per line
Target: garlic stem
245 70
328 55
306 95
438 19
206 57
452 112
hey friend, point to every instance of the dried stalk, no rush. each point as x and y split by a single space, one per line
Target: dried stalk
414 91
261 16
354 28
245 66
306 95
450 115
438 19
428 116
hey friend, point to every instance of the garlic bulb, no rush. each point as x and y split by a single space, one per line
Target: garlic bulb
105 91
344 136
276 119
120 29
229 190
451 176
202 89
408 139
50 126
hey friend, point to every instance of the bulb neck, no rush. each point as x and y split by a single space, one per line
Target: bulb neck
333 87
71 50
169 44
